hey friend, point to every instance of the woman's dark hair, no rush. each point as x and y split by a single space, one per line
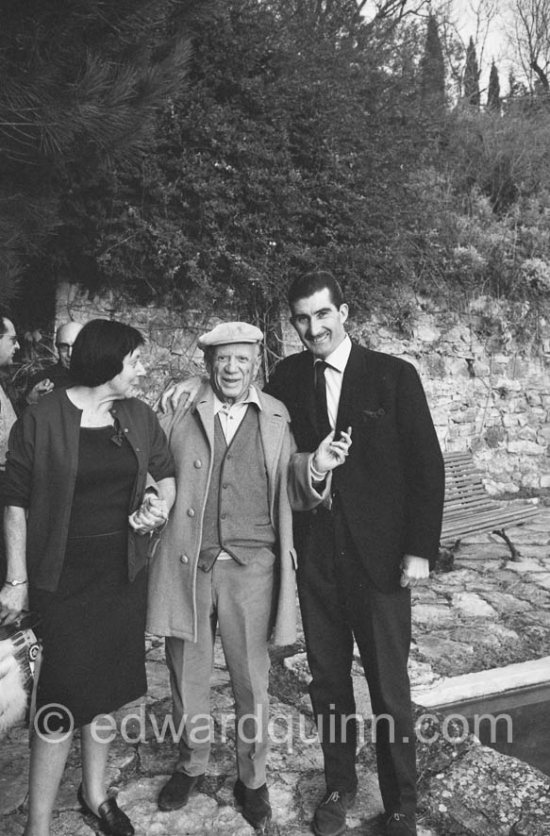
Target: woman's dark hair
310 283
99 350
4 314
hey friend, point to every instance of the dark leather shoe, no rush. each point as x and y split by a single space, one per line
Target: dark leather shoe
400 824
330 815
112 820
255 806
176 792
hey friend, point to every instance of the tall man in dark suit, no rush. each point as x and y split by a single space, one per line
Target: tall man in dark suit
359 554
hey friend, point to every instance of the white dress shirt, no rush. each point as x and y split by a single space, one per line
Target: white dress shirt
232 414
334 375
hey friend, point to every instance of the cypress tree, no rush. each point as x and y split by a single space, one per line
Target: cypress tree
471 76
432 69
493 94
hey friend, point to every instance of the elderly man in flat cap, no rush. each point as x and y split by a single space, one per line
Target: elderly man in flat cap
226 560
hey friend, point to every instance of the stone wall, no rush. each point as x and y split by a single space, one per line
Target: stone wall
488 391
171 350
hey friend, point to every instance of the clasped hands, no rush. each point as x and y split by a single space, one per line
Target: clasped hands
150 516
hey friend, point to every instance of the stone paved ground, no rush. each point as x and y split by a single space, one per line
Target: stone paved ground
485 613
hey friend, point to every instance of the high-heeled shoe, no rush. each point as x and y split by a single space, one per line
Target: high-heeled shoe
112 820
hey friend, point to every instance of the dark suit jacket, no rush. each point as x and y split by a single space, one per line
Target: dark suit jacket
391 487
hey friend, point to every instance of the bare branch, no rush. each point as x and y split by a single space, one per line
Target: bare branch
394 10
530 39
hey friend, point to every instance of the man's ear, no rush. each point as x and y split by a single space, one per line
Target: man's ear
344 311
257 364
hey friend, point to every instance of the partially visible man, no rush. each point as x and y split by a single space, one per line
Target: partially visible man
8 346
226 559
55 375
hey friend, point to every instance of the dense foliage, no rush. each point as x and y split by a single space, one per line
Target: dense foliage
288 150
295 135
81 83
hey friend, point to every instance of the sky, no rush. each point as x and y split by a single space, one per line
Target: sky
492 42
495 46
493 35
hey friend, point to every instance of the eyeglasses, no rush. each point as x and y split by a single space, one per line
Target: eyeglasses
13 338
63 346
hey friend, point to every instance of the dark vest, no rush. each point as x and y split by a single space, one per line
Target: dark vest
236 517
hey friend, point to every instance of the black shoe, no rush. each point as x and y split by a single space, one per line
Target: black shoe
255 806
330 815
175 793
400 824
111 819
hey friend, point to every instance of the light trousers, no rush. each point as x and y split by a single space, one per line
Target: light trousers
237 600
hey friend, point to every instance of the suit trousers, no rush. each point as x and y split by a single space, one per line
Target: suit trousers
236 599
339 604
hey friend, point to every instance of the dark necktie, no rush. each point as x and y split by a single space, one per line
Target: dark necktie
321 412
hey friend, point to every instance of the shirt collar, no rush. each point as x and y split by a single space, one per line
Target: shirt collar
251 397
340 356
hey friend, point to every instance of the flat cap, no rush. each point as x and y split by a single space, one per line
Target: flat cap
231 332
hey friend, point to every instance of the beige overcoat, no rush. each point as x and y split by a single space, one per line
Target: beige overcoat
173 567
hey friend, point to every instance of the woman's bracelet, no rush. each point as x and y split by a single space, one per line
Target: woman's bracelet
15 583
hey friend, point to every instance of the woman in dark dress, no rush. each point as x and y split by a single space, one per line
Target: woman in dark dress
78 524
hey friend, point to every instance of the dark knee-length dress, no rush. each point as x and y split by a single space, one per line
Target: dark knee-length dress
93 626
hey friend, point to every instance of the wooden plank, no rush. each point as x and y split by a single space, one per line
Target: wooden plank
467 495
470 502
498 514
489 522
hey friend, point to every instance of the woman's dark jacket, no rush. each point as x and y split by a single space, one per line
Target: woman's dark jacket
41 471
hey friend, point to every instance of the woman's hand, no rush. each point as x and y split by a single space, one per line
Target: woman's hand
13 600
